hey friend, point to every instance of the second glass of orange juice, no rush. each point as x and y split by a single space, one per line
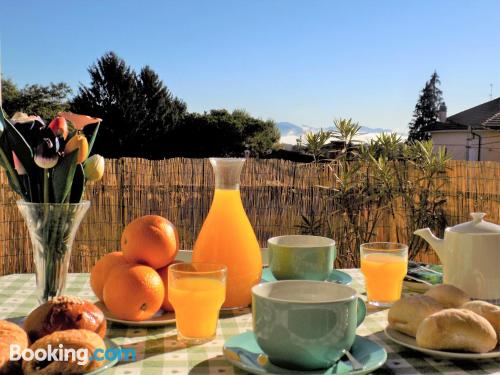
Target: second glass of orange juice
196 292
384 266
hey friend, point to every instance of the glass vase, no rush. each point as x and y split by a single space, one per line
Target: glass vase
52 228
227 237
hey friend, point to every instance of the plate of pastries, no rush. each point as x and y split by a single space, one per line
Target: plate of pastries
444 322
70 321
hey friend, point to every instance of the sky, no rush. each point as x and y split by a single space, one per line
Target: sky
302 61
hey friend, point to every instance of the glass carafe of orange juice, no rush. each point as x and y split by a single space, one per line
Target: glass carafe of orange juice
227 237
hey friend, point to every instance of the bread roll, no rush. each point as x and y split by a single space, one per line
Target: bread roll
407 313
448 295
70 339
457 330
61 313
10 333
488 311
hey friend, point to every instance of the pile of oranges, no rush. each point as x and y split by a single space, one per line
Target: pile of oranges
133 282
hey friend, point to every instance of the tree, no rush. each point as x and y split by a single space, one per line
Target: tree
137 109
44 101
141 117
316 143
426 110
221 133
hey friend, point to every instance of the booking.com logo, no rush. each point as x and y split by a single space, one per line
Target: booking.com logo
80 356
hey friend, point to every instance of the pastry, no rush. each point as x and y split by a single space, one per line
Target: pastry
488 311
456 330
61 313
407 313
448 295
81 340
10 334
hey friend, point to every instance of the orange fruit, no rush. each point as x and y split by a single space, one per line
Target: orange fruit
133 292
151 240
163 272
102 269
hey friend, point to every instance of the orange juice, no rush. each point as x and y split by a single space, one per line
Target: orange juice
196 301
227 237
384 274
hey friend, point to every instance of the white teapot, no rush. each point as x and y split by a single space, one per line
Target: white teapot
470 253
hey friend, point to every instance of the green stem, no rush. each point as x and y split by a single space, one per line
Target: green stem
46 186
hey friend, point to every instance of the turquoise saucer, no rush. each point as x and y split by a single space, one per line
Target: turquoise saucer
108 363
336 276
243 352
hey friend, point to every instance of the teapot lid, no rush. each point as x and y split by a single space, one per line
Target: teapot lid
477 225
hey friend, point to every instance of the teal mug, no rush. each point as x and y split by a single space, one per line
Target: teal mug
304 324
301 257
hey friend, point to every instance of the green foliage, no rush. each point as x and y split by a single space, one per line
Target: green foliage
137 108
44 101
426 110
144 119
221 133
62 177
385 178
345 131
315 143
78 186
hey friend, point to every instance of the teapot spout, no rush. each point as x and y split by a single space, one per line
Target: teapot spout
436 243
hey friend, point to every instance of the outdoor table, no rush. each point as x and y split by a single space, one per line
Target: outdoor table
158 351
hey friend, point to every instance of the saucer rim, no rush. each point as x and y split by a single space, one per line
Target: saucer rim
263 371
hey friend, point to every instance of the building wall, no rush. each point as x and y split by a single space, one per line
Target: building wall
456 141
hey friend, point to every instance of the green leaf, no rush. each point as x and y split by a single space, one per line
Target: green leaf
21 147
78 185
62 176
7 162
2 119
92 139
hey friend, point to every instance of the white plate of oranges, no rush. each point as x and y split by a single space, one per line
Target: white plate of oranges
132 284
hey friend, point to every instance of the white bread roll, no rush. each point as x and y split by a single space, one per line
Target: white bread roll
488 311
406 314
448 295
456 330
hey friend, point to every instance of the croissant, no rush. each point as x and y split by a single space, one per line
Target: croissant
64 312
73 364
10 333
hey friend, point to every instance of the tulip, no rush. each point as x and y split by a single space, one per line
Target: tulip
79 121
78 142
59 127
18 165
46 155
94 168
22 118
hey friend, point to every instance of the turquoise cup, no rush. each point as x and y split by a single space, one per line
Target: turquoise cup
301 257
304 324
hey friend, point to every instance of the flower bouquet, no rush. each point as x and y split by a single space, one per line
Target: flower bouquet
48 166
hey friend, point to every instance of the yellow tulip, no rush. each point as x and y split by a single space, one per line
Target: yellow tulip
94 168
78 142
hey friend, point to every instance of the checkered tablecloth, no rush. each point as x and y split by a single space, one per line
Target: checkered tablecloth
158 351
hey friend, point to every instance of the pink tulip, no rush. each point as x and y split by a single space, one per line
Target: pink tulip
18 165
79 121
59 127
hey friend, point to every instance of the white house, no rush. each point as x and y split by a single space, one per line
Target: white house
473 134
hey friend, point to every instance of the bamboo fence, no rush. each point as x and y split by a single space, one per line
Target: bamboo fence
275 194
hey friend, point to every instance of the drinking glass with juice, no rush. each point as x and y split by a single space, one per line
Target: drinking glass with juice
196 292
384 266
